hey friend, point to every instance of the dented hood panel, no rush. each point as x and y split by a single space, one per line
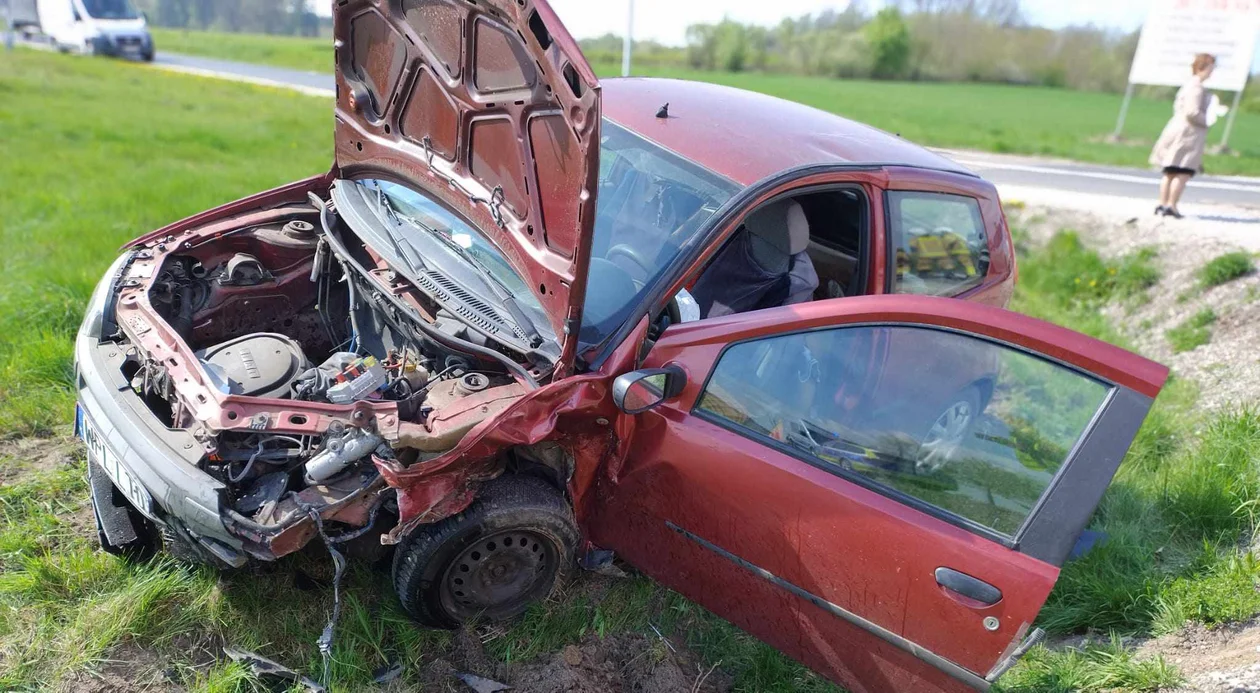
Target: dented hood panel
491 109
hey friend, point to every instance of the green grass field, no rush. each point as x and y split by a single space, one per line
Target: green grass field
97 152
989 117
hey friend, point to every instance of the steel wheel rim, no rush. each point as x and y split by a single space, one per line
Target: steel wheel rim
945 435
499 574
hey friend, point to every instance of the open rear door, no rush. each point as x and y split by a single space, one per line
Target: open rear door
883 487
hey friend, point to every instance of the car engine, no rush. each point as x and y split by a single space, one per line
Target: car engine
321 357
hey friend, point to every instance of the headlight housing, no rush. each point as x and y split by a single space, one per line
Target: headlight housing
100 307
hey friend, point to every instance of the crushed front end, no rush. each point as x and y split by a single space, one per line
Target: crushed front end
252 368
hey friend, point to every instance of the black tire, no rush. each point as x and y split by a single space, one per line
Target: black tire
506 551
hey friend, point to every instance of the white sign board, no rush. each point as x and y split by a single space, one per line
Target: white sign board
1176 30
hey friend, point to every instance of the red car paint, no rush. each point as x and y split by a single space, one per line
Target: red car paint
843 543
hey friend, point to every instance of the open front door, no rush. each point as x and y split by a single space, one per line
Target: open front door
882 487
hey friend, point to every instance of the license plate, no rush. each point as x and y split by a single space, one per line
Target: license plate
99 453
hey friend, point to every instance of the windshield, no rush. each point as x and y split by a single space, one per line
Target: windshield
414 206
651 203
110 9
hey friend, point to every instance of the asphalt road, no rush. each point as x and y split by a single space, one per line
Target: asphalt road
1093 179
310 82
1004 170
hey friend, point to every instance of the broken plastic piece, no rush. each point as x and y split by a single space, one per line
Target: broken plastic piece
482 685
261 666
387 673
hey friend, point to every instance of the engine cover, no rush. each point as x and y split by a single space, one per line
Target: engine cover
257 365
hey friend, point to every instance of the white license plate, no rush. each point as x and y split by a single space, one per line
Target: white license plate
99 452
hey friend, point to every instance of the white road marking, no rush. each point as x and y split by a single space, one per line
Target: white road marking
1118 177
231 77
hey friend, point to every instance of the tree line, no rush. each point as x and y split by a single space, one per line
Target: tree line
930 40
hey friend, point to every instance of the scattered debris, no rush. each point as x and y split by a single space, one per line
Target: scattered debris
263 667
389 672
482 685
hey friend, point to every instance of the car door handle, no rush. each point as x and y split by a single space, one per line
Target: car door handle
969 587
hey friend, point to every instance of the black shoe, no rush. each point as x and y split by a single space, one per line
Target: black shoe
1159 211
1172 212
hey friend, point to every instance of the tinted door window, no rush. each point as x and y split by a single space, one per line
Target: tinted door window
939 243
954 423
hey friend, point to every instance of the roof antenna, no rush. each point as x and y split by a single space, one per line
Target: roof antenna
664 111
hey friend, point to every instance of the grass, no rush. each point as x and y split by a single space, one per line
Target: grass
114 151
1182 503
1225 268
76 182
1192 333
1095 667
299 53
989 117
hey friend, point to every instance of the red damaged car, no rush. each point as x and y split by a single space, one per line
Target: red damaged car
530 321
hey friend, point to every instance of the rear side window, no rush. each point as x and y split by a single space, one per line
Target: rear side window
957 425
939 241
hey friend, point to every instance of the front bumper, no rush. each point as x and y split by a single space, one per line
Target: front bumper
138 46
165 461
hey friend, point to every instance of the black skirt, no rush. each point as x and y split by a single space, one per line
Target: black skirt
1179 171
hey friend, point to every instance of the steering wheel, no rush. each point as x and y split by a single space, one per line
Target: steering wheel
630 253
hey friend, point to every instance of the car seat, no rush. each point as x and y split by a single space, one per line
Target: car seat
765 264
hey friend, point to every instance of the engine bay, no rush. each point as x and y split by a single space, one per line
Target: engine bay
297 356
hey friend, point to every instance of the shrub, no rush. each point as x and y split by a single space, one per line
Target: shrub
889 37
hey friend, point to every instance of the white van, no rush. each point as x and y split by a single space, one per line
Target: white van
96 27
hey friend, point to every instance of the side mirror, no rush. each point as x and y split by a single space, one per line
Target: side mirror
641 390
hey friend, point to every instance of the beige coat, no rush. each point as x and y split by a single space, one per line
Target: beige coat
1185 136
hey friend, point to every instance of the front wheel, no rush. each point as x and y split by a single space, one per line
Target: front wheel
504 552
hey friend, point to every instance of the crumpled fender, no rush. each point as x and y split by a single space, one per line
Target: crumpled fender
576 412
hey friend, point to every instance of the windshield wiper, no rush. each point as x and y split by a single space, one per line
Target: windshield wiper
402 247
501 291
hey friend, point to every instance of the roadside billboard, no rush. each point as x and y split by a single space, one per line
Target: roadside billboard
1176 30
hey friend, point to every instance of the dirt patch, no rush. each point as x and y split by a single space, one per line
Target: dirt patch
1217 660
21 458
129 668
626 663
1227 368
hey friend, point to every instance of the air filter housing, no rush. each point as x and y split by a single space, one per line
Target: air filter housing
256 365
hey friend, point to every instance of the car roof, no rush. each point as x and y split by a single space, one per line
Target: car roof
746 136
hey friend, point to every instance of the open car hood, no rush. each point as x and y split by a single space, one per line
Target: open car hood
491 109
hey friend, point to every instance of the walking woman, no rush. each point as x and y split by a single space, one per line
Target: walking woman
1179 150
